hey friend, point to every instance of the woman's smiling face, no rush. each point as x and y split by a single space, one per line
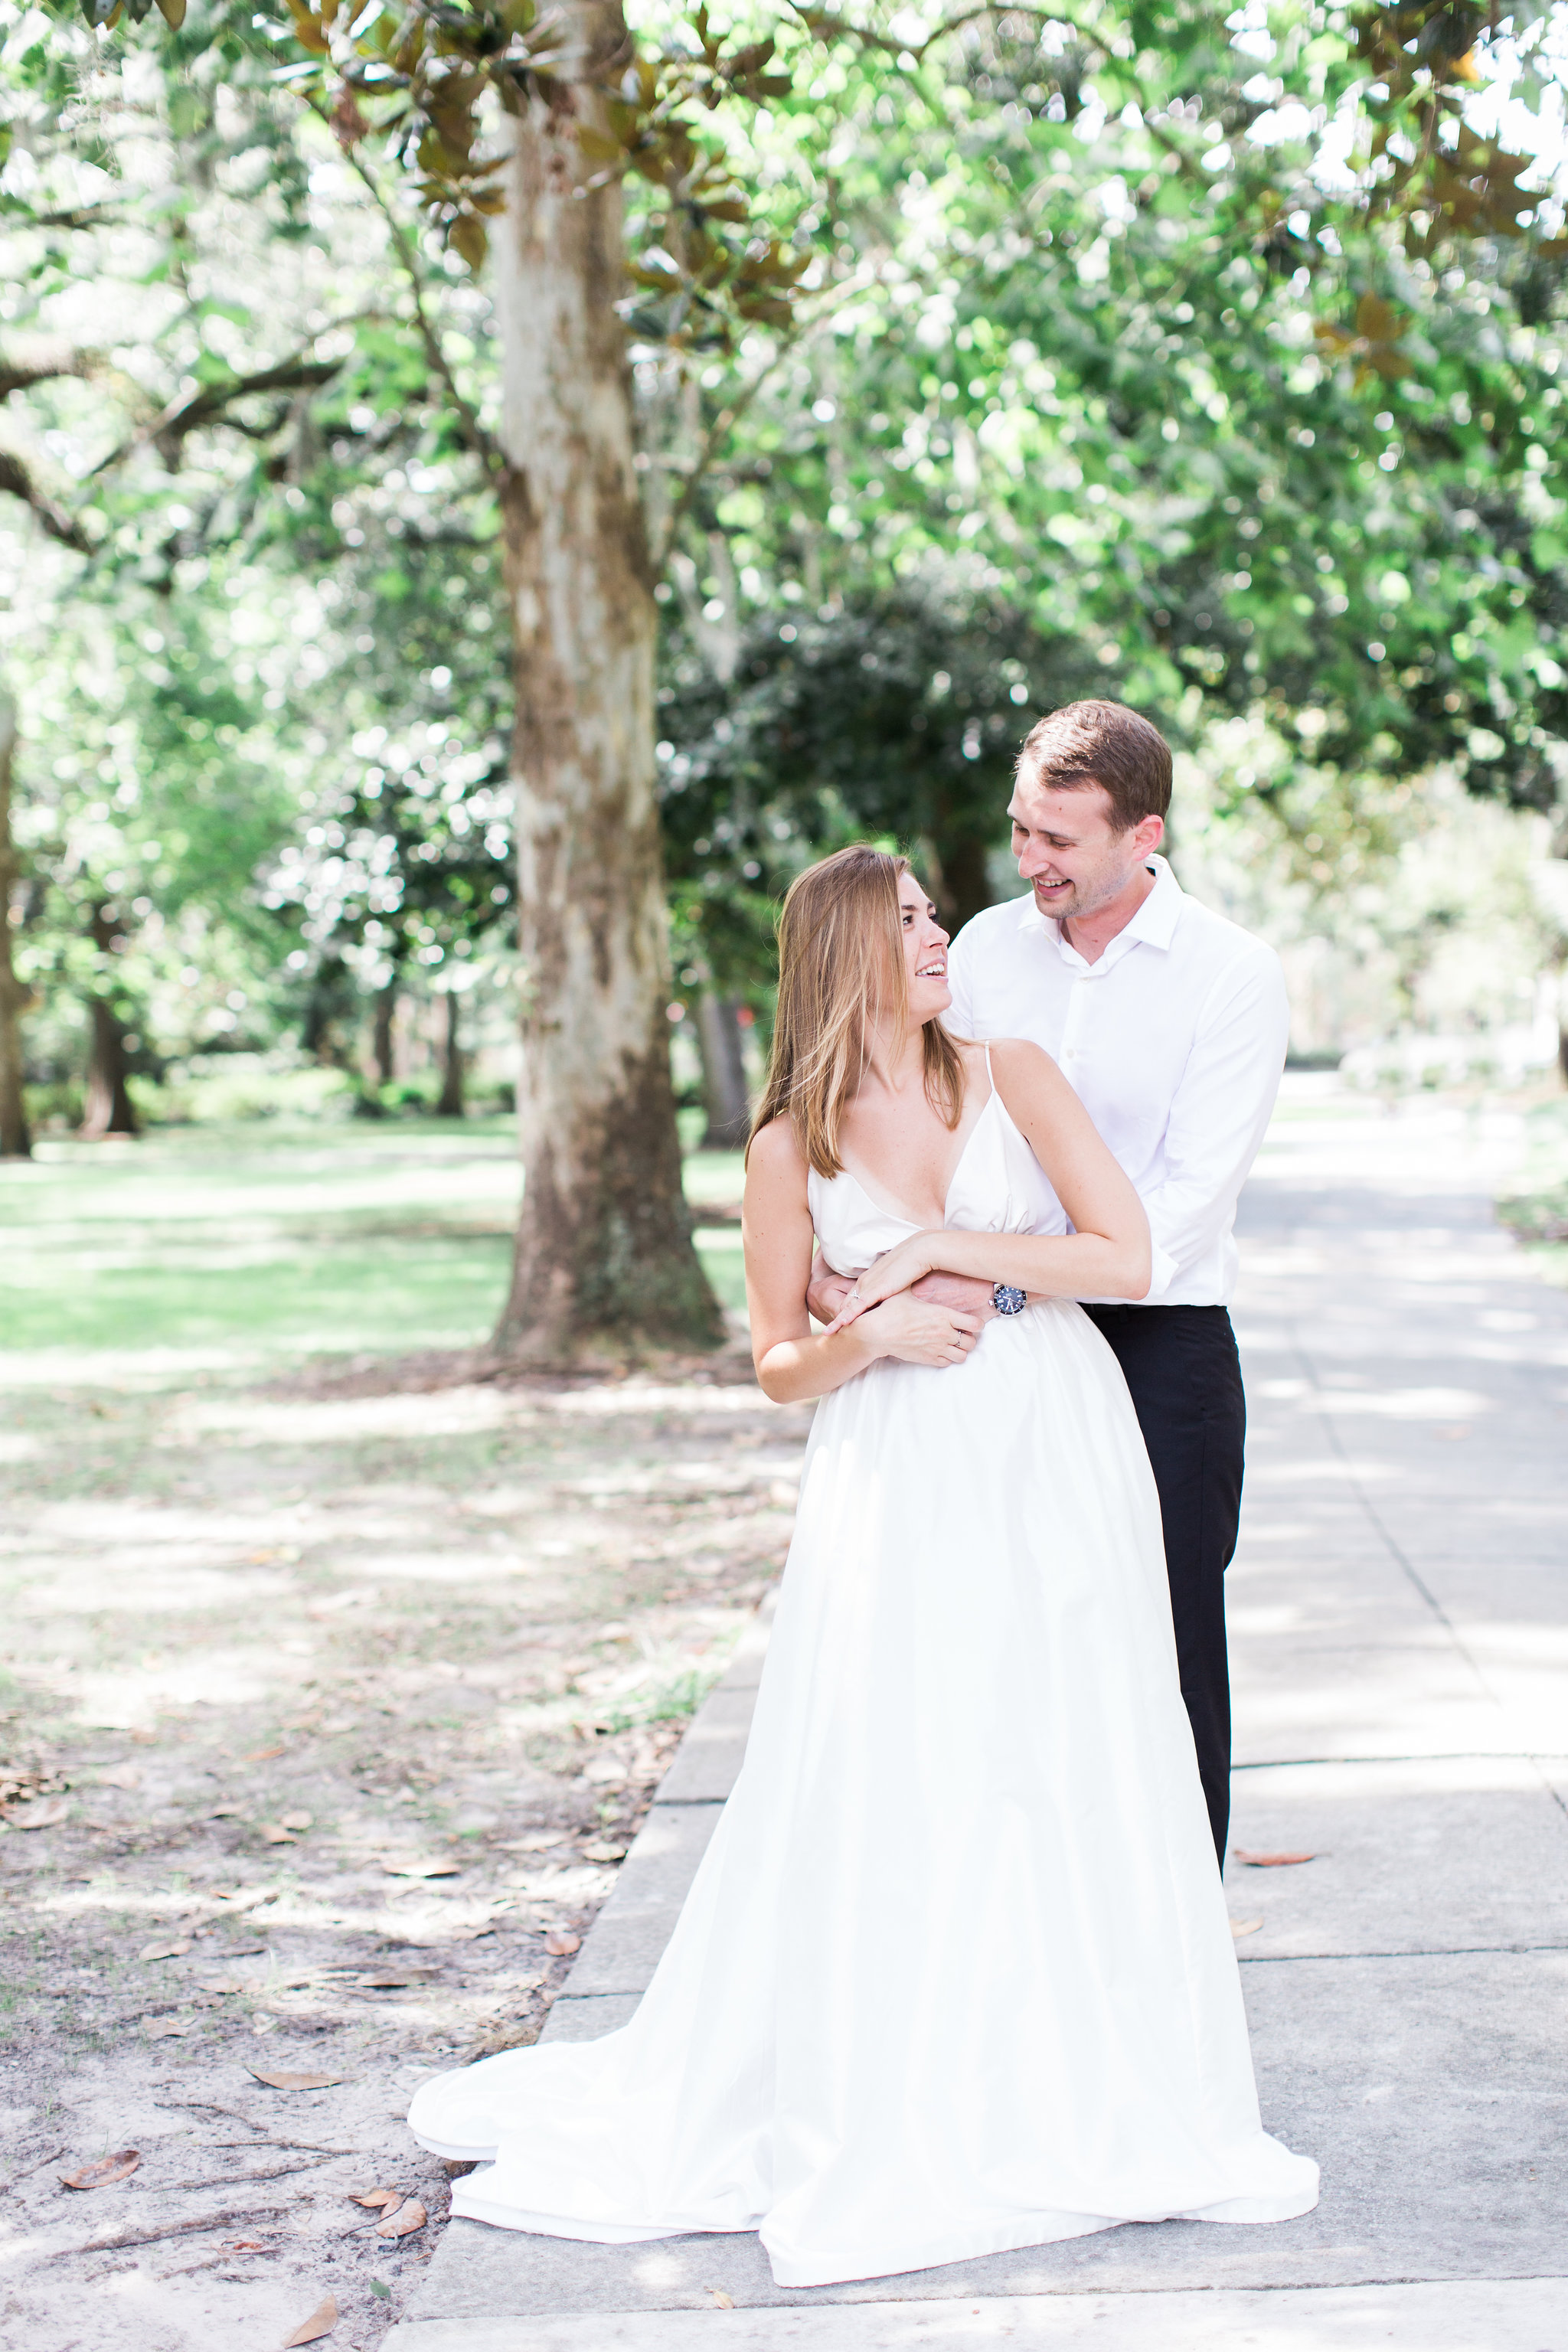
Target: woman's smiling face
925 952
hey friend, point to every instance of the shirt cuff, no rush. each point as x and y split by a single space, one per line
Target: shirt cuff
1164 1272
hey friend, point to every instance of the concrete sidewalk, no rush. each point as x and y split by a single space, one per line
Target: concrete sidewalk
1399 1619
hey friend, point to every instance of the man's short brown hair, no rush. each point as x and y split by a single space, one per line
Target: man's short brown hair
1102 743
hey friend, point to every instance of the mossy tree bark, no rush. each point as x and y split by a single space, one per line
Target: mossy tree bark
603 1244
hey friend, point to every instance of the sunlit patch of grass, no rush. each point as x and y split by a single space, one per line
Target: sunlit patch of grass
672 1702
254 1241
719 1251
229 1247
395 1294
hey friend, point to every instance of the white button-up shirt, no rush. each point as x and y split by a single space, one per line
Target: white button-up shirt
1174 1042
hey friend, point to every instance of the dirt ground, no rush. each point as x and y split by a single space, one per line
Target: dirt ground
333 1705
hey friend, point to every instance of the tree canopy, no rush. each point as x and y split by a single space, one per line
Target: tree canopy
1206 357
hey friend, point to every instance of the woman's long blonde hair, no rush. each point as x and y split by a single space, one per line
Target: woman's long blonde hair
841 972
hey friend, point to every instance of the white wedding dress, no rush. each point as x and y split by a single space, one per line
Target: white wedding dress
955 1975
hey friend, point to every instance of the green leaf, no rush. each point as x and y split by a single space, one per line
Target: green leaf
468 236
597 146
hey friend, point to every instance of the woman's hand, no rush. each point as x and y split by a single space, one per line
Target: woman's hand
916 1332
893 1272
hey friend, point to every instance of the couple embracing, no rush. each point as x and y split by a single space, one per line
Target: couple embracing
955 1975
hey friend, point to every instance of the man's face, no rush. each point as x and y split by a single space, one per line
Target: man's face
1069 848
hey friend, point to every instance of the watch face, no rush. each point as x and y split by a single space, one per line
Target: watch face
1007 1300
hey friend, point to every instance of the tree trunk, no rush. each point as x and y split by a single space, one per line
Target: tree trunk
604 1244
15 1142
451 1105
330 1001
380 1054
954 868
723 1073
109 1110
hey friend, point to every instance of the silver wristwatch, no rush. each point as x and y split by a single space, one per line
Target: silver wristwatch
1008 1298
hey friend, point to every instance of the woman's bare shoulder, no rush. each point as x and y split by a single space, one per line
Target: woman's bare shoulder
774 1153
1020 1058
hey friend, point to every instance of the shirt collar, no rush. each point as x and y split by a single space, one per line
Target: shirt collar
1154 923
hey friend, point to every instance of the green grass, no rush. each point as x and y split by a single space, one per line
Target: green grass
1537 1208
215 1247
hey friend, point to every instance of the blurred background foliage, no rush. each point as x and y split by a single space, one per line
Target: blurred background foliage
1208 359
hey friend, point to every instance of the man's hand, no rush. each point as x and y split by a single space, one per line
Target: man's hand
828 1292
962 1292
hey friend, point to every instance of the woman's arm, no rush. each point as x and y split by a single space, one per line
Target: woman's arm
1108 1256
776 1224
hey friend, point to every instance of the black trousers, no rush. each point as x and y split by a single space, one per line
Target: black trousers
1184 1379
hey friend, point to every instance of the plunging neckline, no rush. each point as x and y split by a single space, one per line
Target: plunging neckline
900 1213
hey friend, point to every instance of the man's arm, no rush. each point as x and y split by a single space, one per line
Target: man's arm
828 1292
1218 1119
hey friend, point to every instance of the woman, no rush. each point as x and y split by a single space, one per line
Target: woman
955 1974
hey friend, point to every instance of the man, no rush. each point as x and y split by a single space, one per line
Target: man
1171 1024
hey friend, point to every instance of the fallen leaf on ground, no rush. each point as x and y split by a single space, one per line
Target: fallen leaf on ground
107 2169
224 1813
537 1841
1239 1928
1269 1861
274 1833
264 1755
121 1776
321 2322
47 1815
725 2301
163 2029
381 2291
172 1951
560 1943
296 1820
423 1939
439 1868
244 2246
603 1853
223 1984
403 2222
295 2082
376 2200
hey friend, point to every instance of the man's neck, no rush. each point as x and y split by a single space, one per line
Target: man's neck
1091 935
